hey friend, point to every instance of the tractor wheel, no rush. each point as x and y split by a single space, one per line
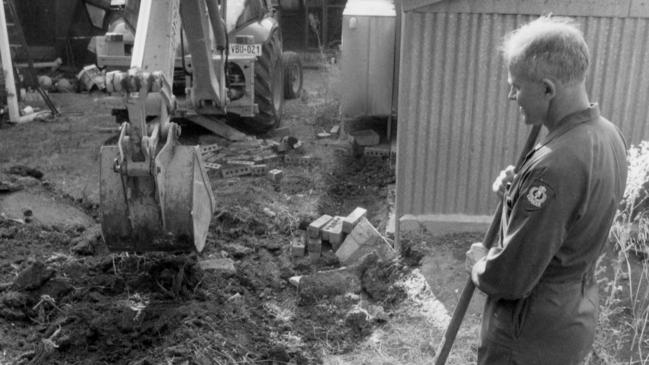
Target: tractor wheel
269 87
292 75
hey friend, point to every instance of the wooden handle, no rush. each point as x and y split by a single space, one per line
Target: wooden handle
465 298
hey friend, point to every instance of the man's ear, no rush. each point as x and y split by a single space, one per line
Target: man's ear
550 88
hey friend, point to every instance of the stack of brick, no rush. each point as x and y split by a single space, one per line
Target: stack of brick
351 238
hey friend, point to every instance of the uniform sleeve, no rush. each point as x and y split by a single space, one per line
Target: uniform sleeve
540 213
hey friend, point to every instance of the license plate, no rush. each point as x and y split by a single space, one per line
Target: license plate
245 49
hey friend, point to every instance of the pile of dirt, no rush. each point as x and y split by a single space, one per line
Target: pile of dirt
358 182
59 307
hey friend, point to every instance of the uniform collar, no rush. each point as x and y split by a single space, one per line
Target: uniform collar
570 121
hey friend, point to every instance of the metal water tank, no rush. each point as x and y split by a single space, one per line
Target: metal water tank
367 60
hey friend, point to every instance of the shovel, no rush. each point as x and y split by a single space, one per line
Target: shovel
465 298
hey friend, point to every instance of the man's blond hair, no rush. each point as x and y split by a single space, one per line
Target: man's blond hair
548 47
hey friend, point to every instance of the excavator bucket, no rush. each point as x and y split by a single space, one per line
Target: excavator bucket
168 212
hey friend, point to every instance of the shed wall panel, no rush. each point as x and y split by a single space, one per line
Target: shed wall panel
456 127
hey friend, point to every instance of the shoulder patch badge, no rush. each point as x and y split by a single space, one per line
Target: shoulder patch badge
538 195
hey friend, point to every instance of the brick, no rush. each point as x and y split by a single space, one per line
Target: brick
333 232
266 158
259 170
211 158
307 160
314 228
275 175
294 159
282 147
323 135
350 221
363 240
243 145
297 247
291 158
366 137
335 130
212 166
235 171
376 152
239 162
280 132
210 148
220 265
314 257
314 248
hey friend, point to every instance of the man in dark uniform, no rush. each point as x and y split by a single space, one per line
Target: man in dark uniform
542 304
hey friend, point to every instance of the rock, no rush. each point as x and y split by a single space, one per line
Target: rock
22 170
45 82
327 284
82 246
33 277
96 297
278 354
358 320
9 186
366 137
144 361
85 244
14 299
295 280
237 250
64 86
224 266
12 314
272 245
377 313
378 281
56 288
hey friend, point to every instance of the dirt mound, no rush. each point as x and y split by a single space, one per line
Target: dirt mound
358 182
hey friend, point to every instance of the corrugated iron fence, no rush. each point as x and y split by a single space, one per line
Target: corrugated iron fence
456 127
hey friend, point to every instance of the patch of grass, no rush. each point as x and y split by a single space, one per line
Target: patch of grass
623 332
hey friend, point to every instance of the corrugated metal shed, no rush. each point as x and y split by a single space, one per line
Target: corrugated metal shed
456 127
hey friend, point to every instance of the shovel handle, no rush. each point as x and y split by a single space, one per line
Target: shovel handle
465 298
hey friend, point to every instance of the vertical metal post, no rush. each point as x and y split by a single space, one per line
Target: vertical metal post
7 68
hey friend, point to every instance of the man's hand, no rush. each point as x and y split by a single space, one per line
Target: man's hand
475 253
503 181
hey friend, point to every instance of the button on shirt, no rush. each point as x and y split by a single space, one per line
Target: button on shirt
559 208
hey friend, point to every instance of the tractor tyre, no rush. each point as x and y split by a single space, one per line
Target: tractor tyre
269 87
292 75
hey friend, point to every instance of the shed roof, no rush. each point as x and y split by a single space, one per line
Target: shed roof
370 8
608 8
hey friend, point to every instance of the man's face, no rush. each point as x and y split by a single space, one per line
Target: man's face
531 97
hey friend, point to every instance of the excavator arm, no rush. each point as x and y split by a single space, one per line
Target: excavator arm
154 192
